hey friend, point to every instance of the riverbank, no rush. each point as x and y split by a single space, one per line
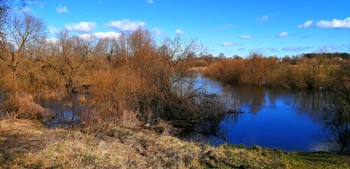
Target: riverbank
27 144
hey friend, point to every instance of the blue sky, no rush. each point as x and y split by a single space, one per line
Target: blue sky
233 27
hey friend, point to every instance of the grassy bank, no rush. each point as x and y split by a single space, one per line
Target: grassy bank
27 144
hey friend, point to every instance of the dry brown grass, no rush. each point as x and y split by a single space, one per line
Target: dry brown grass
26 144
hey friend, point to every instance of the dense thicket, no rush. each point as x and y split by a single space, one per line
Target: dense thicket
125 80
304 72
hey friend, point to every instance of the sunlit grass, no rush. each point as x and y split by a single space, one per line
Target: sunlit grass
26 144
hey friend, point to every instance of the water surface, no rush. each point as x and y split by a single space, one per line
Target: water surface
64 114
272 118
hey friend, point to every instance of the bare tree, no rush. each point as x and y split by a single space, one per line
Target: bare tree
177 53
20 30
71 56
107 47
70 62
4 7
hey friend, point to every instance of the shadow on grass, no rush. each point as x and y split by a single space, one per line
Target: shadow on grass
19 137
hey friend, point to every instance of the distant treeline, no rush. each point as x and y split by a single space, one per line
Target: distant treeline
327 55
207 59
307 71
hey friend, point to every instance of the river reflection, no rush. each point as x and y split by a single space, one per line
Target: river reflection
255 99
273 118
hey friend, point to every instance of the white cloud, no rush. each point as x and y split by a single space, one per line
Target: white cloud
282 34
87 36
227 26
179 32
225 44
246 37
103 35
150 1
126 25
262 19
52 40
335 23
62 9
81 27
100 35
306 24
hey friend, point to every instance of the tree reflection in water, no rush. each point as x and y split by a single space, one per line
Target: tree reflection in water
337 123
284 118
252 99
338 108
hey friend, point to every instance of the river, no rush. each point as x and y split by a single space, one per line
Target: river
273 118
268 117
